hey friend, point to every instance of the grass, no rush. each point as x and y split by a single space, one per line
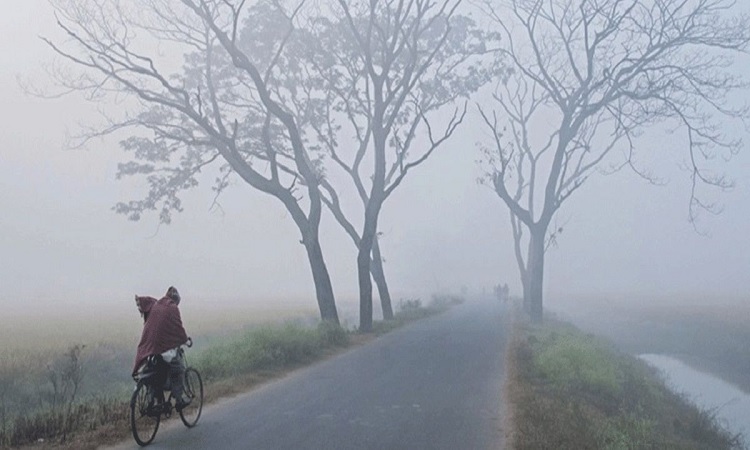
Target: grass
571 390
710 334
229 363
571 360
268 348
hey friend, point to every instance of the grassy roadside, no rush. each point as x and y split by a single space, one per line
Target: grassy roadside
232 365
711 334
571 390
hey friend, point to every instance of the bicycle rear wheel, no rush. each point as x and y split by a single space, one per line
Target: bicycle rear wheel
144 414
194 391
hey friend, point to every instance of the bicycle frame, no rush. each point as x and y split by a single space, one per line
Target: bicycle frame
155 375
148 403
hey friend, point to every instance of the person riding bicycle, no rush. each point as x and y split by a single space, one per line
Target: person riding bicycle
163 334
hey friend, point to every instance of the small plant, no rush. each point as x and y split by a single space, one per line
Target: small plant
410 304
66 377
332 335
442 301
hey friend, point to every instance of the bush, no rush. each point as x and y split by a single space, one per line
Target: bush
332 335
445 301
411 304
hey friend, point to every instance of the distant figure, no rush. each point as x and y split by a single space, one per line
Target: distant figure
502 292
163 334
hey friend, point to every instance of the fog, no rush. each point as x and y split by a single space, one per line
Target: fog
61 243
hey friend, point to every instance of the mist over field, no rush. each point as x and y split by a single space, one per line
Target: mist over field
64 249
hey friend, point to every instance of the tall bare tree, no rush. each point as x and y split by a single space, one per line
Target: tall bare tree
589 76
433 62
407 63
223 106
389 69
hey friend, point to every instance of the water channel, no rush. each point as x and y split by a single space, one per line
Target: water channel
731 404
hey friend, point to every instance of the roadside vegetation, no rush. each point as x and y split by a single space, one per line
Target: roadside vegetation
571 390
53 405
710 334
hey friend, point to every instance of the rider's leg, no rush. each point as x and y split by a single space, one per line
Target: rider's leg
177 379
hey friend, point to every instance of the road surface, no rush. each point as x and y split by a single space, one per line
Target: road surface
434 384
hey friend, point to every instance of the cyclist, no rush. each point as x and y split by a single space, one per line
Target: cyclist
163 334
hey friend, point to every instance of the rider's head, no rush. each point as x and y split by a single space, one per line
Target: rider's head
173 294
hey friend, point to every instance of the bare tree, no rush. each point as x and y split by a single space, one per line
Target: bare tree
388 69
222 107
589 76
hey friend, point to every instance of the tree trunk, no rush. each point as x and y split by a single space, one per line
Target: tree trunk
365 287
322 280
526 295
308 226
364 264
378 275
523 270
372 211
535 274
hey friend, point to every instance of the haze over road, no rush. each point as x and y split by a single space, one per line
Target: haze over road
435 384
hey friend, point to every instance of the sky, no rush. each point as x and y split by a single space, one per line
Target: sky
62 244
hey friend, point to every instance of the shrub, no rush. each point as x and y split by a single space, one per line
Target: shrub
445 301
332 335
409 304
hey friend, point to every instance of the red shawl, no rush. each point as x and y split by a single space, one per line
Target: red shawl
162 329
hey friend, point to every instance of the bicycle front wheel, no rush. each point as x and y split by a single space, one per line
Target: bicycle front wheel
144 414
194 391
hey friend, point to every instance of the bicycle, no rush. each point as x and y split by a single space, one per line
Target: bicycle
148 406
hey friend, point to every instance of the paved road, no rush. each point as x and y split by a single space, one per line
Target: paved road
436 384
